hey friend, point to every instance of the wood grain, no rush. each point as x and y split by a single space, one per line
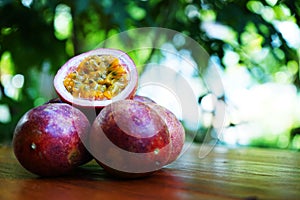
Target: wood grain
241 173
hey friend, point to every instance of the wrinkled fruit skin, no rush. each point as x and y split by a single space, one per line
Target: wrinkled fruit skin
129 139
47 139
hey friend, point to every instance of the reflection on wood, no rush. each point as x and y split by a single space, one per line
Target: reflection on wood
243 173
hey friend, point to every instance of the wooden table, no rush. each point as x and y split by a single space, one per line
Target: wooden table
243 173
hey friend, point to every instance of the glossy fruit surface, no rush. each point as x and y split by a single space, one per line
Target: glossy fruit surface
47 140
97 78
143 99
129 139
175 128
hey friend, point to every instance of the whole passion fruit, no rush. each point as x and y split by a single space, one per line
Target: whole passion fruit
47 140
96 78
129 139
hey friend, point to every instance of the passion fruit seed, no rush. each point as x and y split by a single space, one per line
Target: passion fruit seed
98 77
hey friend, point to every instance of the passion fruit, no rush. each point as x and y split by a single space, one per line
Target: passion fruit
129 139
96 78
47 139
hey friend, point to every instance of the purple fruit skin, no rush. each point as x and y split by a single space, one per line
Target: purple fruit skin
175 128
134 127
143 99
136 120
47 139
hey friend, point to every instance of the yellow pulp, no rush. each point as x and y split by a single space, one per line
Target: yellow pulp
98 77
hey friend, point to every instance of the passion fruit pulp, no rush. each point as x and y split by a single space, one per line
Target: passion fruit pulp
129 139
47 139
96 78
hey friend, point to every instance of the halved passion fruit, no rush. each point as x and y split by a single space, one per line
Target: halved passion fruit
96 78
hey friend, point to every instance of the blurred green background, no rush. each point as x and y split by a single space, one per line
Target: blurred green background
256 45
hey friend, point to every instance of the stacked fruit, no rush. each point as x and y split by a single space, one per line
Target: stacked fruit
98 116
